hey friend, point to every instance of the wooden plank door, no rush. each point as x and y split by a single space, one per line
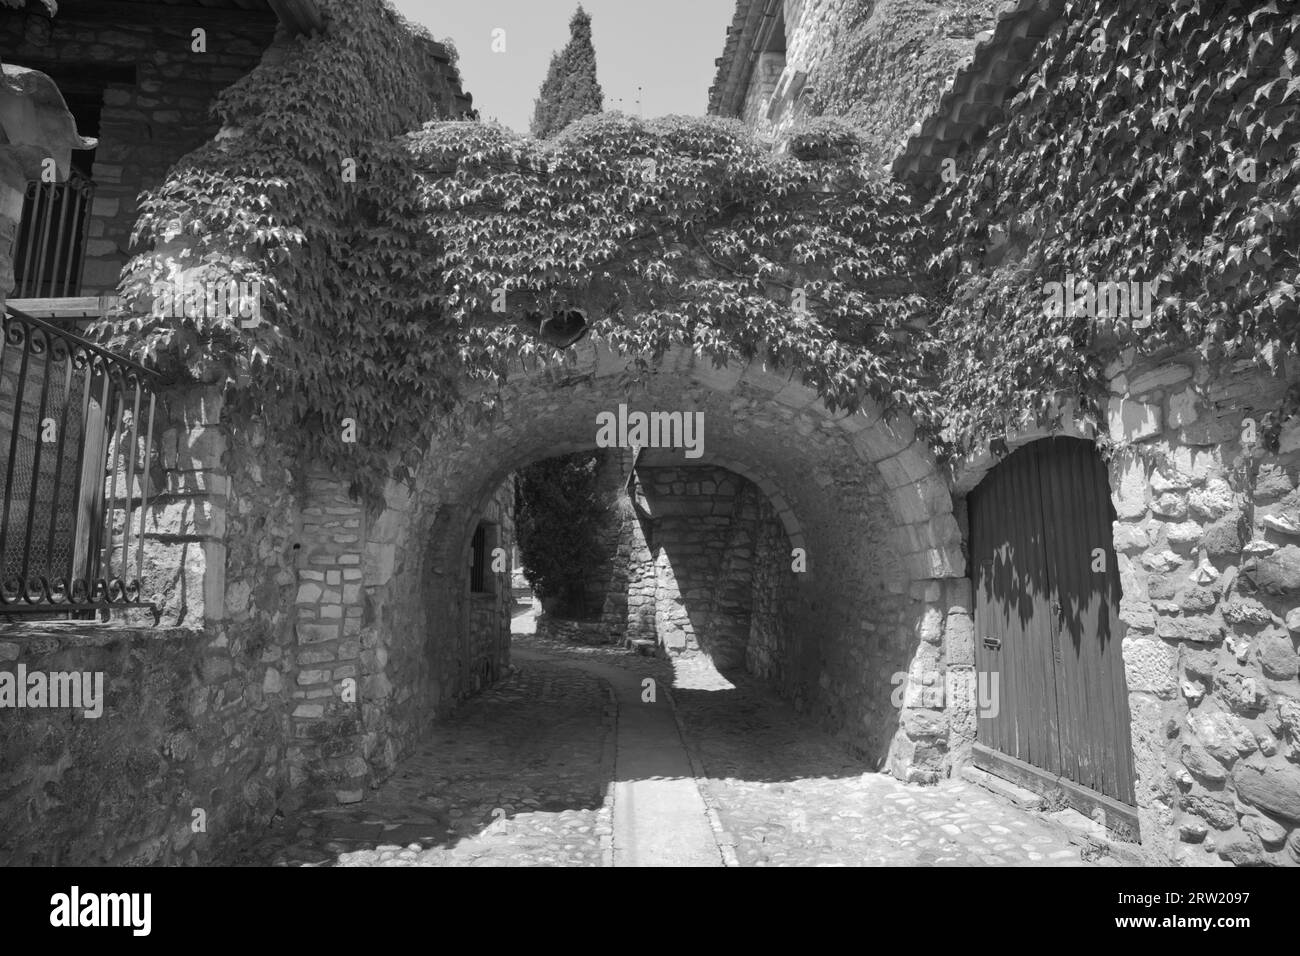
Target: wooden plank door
1013 617
1092 695
1046 600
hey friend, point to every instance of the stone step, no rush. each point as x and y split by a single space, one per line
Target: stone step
642 646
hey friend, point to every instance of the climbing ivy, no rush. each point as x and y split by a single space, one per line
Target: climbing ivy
437 266
1153 141
1124 157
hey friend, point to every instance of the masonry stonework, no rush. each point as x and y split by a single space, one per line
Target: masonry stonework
1208 540
196 711
830 483
145 123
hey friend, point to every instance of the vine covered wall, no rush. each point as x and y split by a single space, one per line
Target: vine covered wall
1148 143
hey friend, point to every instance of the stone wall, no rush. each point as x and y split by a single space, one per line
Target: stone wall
147 125
271 679
857 493
607 594
376 665
704 526
197 715
193 715
590 633
187 752
773 592
881 63
489 615
1208 540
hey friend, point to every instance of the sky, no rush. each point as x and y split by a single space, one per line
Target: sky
665 47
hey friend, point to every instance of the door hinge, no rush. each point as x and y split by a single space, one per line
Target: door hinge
993 643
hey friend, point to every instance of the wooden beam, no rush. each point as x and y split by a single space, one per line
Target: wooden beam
1088 802
81 307
299 16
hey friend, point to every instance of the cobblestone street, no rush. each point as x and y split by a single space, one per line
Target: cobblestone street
517 777
521 776
789 795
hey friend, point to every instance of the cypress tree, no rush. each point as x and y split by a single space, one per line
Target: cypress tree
570 90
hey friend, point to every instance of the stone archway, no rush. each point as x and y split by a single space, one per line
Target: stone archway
858 492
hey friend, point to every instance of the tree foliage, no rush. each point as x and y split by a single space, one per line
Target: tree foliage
570 90
557 523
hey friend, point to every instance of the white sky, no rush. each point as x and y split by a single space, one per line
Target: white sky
667 47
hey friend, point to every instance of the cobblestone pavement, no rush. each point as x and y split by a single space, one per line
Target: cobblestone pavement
519 777
789 795
516 777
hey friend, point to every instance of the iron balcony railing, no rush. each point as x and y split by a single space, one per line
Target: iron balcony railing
74 419
50 251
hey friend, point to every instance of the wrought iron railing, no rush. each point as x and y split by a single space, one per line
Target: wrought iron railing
74 419
50 251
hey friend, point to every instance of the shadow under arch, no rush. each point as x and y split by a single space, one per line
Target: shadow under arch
858 492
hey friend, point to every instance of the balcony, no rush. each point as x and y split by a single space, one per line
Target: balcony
76 427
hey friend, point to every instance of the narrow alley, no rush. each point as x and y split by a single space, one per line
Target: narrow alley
566 762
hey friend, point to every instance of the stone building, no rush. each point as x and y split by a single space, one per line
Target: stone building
306 638
1185 726
204 729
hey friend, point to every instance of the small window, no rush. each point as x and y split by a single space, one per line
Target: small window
482 580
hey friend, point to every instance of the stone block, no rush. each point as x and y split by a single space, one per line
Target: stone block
959 638
1223 735
1277 573
929 628
1199 629
1150 666
1158 378
1197 760
1274 789
883 439
1128 420
1183 408
315 633
1224 538
1278 658
1131 488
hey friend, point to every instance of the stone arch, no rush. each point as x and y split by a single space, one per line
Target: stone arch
918 497
859 492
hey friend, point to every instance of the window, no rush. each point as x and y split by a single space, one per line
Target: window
482 579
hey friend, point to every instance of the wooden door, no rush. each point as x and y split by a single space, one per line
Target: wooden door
1046 602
